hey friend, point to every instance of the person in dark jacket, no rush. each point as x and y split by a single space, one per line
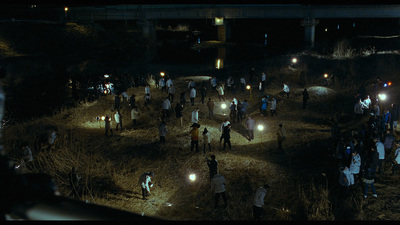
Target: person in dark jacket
369 180
178 112
394 112
373 159
212 166
227 136
305 98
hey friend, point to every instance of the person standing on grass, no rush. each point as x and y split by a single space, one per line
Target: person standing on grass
263 107
258 202
250 127
305 98
194 137
132 101
162 131
117 102
346 178
280 137
227 136
182 98
195 115
210 106
369 180
212 166
355 164
203 93
145 183
192 95
273 106
380 148
134 116
178 112
206 140
218 186
107 122
118 120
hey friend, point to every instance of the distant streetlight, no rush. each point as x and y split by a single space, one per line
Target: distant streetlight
326 75
294 60
192 178
248 87
382 97
162 74
261 128
65 10
223 106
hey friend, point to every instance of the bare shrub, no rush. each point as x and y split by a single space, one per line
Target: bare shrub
343 50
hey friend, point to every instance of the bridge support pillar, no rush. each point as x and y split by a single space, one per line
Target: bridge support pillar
224 31
309 31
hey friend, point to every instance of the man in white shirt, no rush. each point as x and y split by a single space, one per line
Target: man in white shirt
118 120
145 183
396 161
195 115
380 148
258 202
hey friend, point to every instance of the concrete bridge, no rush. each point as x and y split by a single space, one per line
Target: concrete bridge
146 15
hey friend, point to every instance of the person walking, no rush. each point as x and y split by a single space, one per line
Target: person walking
107 123
178 112
220 91
242 84
280 137
132 101
221 128
358 110
145 183
134 116
162 131
192 95
171 93
227 136
118 120
218 186
166 107
212 166
305 98
258 202
263 81
194 137
233 111
210 106
250 127
286 89
195 115
369 180
394 112
206 140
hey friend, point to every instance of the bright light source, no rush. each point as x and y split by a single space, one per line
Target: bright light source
294 60
389 83
103 118
223 105
219 21
162 74
326 75
248 87
382 96
66 9
106 76
192 177
326 29
218 64
260 127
